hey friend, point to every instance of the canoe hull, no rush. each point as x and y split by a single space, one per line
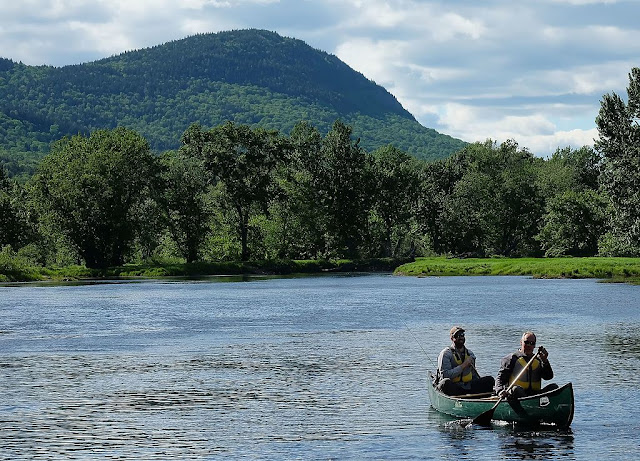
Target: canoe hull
553 407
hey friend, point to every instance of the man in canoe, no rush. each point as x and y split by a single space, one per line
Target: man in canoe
457 374
530 382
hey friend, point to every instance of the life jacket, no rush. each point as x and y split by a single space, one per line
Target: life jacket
531 378
466 376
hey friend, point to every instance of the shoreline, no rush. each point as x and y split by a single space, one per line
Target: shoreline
613 270
624 270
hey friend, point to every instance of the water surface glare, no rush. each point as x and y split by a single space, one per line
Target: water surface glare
325 367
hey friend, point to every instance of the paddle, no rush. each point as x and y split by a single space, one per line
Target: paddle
484 419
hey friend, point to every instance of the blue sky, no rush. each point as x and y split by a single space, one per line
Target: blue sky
533 71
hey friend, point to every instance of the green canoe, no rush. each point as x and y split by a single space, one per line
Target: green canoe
553 407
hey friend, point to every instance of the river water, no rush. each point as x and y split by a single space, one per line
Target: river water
323 367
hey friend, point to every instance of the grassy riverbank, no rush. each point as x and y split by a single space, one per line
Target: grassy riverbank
614 269
15 270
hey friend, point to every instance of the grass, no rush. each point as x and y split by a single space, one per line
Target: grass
17 271
614 269
625 270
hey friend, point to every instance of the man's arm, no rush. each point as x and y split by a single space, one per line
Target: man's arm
504 373
546 372
445 365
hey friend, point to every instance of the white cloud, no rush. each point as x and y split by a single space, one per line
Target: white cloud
536 131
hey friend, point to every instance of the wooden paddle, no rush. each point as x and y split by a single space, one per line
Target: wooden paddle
484 419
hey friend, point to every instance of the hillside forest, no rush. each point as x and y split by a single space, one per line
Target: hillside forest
236 192
251 77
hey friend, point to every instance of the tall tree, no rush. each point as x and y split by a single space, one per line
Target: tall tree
14 228
575 210
91 187
396 187
343 185
185 198
297 224
619 143
242 161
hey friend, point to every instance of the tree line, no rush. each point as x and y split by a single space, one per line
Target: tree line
236 192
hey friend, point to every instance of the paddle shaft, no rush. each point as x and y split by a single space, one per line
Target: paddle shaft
521 373
487 415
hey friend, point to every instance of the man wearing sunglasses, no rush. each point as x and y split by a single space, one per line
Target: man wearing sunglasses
530 382
457 374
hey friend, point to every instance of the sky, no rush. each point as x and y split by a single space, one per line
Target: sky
531 71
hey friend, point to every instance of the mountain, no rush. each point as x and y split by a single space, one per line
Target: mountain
253 77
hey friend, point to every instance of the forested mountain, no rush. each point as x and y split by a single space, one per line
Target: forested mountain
252 77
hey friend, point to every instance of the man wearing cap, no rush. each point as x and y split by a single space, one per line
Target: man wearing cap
457 374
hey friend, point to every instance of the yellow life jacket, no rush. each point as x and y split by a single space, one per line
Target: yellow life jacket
531 378
466 376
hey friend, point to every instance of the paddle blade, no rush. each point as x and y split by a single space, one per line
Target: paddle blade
484 419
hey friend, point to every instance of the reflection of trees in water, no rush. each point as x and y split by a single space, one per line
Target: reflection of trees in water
538 444
623 339
622 346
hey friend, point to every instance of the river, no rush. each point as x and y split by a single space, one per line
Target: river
321 367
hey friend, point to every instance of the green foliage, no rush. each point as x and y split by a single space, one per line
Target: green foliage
619 143
486 201
573 224
186 202
91 187
342 181
237 191
250 77
395 189
14 225
243 161
569 170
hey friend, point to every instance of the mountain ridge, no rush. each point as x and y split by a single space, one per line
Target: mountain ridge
248 76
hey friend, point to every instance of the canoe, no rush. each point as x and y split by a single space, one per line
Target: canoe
552 407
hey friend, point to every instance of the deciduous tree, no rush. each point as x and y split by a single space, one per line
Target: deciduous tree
91 186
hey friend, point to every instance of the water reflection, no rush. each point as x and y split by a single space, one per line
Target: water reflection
515 442
543 445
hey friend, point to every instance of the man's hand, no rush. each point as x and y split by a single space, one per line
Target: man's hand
468 362
543 354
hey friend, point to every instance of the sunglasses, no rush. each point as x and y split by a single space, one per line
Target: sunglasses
529 343
459 335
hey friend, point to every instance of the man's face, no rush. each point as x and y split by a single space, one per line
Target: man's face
458 339
528 343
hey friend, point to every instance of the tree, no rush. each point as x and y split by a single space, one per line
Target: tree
343 186
14 228
242 161
573 224
296 228
569 170
395 188
491 204
90 187
619 144
184 196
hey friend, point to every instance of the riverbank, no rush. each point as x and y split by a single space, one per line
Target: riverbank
17 271
612 269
